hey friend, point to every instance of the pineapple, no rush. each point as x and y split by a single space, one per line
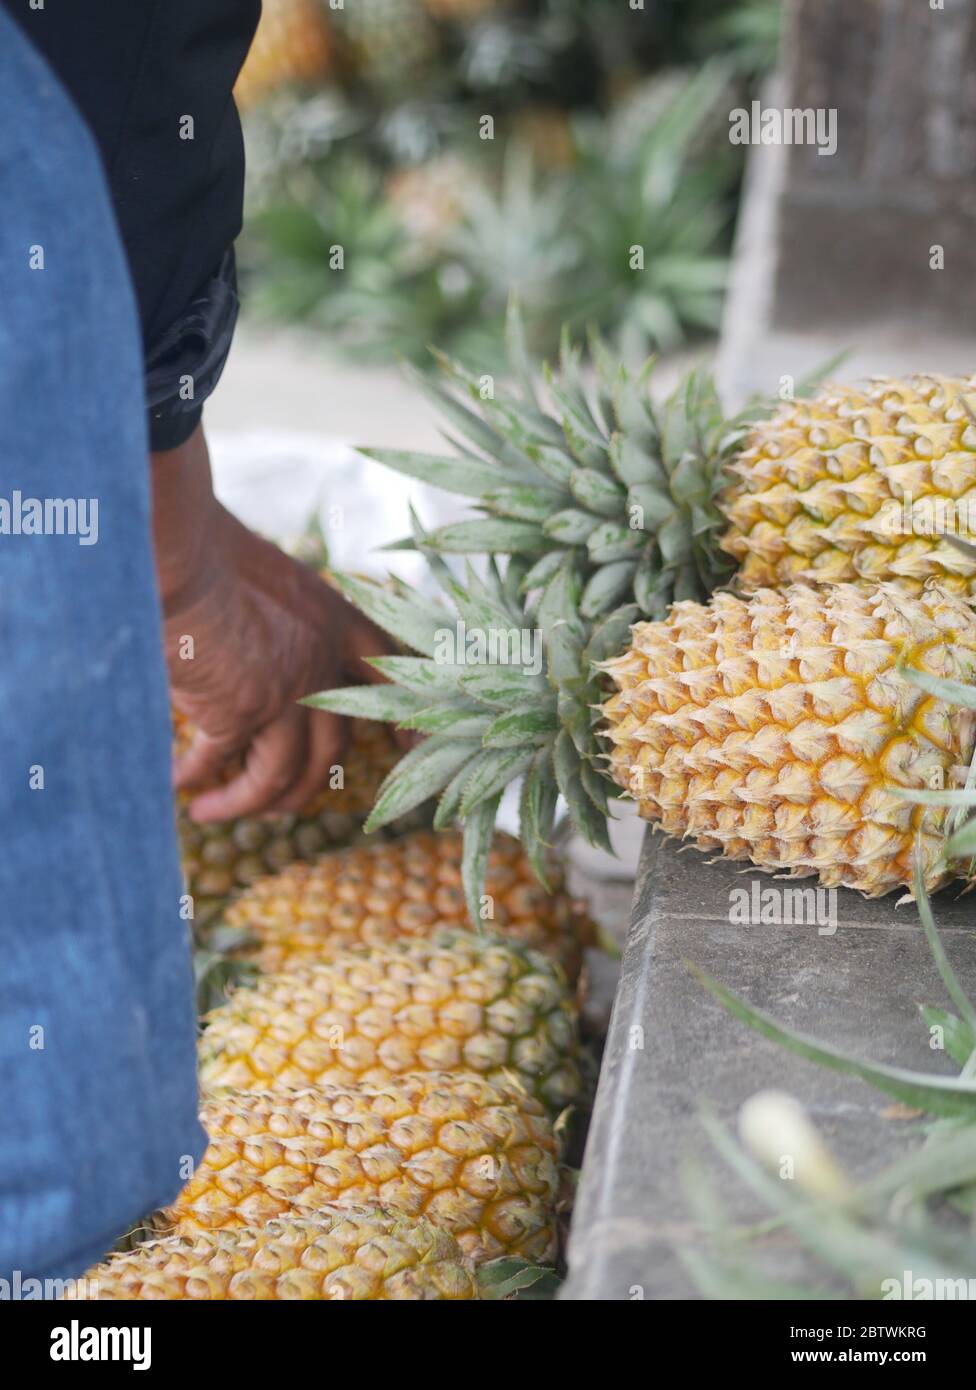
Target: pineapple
292 44
390 44
477 1160
785 730
654 502
429 199
859 483
339 1253
454 1003
221 857
409 889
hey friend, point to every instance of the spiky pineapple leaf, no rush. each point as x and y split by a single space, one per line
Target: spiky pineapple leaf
479 826
493 775
557 464
653 504
389 703
597 493
519 727
962 843
526 502
453 475
947 975
507 1278
488 536
958 1040
537 812
587 821
954 692
937 1095
420 674
471 425
571 526
448 810
538 575
634 465
418 776
609 542
459 718
606 587
415 621
505 687
610 637
560 600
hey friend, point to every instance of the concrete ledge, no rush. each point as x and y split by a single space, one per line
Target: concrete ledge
671 1047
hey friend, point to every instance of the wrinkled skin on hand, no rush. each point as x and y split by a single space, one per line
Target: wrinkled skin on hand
248 631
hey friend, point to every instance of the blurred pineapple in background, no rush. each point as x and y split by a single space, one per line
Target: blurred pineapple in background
429 198
548 133
293 43
389 44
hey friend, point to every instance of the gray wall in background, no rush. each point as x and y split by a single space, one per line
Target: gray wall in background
833 252
855 228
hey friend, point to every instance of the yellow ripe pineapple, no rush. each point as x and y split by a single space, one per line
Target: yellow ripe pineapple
654 500
220 858
293 43
407 889
454 1003
475 1159
782 729
786 729
339 1253
862 482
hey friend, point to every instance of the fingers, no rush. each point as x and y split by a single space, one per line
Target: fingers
327 742
273 763
285 765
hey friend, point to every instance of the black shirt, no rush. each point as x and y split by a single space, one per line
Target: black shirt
153 79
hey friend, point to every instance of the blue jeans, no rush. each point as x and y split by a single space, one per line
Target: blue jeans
98 1097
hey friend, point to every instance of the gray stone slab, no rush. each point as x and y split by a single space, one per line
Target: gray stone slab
671 1047
834 253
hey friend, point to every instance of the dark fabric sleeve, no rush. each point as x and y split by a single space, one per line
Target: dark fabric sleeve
153 79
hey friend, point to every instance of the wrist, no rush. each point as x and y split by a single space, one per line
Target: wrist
187 524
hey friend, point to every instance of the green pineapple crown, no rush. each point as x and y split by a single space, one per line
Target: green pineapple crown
628 488
504 686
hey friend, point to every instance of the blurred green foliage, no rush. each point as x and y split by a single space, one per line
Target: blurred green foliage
606 193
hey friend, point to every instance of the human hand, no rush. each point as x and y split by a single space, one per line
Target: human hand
248 631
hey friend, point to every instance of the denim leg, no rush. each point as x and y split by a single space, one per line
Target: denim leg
98 1098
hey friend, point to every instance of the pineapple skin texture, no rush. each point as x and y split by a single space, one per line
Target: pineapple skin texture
455 1003
855 483
408 889
477 1160
220 858
356 1254
779 730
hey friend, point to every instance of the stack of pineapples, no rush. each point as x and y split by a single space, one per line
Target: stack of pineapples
384 1100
